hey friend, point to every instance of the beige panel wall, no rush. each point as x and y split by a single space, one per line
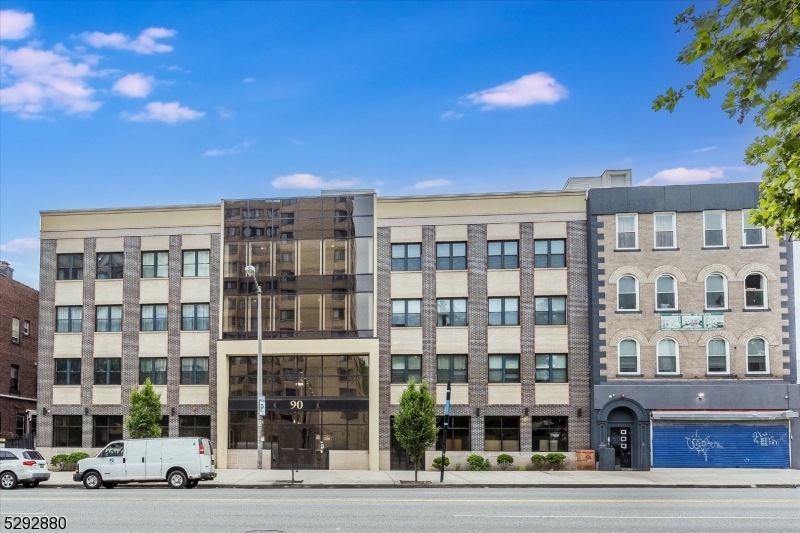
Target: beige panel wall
452 283
154 291
194 343
195 290
152 344
155 243
407 234
195 242
505 393
551 394
457 232
504 339
193 394
106 394
395 391
459 394
67 345
182 218
503 282
551 339
69 293
406 284
108 292
406 341
550 230
107 344
497 232
69 246
348 460
452 340
246 459
162 390
109 244
66 395
550 282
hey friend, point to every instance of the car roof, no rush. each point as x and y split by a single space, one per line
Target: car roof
18 450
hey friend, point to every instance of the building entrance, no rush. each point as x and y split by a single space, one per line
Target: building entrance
299 447
621 442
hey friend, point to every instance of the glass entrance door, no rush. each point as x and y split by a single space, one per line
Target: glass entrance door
297 447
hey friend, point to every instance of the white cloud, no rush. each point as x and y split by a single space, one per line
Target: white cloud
451 115
176 68
703 150
248 80
536 88
225 113
229 151
170 112
309 181
25 244
44 79
15 24
682 175
134 85
428 184
145 43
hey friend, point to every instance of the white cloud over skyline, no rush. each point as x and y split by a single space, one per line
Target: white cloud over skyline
309 181
451 115
134 85
703 150
15 24
216 152
531 89
684 176
146 43
169 112
429 184
24 244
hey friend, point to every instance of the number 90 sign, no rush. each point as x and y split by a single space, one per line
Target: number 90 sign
296 404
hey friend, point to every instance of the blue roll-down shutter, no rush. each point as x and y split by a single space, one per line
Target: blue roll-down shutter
720 445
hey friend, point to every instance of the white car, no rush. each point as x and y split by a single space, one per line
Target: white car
181 462
18 465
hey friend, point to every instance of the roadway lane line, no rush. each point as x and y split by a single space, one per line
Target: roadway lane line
606 517
110 499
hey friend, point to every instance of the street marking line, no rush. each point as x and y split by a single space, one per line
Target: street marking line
377 500
606 517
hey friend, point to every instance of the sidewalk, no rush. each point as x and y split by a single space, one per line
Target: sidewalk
659 477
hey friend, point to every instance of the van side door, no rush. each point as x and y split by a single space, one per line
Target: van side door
153 459
134 460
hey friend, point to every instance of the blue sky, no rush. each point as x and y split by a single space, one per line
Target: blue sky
150 103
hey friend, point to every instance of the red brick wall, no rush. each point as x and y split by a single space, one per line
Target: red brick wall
20 301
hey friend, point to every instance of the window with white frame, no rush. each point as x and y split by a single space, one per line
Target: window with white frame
752 235
627 229
628 356
664 228
627 294
15 330
755 291
667 355
666 293
716 292
713 228
717 351
757 356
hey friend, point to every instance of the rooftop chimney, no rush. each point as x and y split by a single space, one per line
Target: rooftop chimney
6 270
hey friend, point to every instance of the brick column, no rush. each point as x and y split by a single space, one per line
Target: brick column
130 323
526 320
578 320
383 327
46 338
174 329
429 306
87 346
478 321
214 333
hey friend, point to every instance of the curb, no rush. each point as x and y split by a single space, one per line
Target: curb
442 486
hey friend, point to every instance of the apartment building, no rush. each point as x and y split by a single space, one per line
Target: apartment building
19 315
693 338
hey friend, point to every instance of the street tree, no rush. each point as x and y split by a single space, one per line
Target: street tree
747 45
145 415
415 422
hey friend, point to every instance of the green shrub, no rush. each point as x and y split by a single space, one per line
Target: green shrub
458 466
77 456
504 460
538 461
523 468
556 460
58 459
478 463
437 462
67 461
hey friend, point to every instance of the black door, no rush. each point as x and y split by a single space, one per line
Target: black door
398 458
296 447
621 442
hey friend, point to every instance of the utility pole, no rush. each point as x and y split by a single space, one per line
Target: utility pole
261 404
444 430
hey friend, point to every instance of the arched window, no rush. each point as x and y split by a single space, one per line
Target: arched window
666 293
627 294
717 350
757 356
628 357
667 355
716 292
755 291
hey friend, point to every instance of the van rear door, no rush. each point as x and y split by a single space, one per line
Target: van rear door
207 457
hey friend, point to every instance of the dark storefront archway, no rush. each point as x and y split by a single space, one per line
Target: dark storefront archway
624 425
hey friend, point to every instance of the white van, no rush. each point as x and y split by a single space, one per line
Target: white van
182 462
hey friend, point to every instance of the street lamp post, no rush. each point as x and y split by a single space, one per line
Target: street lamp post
250 270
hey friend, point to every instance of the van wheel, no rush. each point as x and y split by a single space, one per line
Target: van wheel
176 479
109 484
191 484
92 480
31 484
8 480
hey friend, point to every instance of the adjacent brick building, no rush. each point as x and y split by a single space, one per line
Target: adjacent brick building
19 316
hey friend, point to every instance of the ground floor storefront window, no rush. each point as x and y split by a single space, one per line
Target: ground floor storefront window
550 434
502 433
458 433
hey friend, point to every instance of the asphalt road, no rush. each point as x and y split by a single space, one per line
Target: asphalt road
134 510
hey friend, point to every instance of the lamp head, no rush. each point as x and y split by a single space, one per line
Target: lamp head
250 270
